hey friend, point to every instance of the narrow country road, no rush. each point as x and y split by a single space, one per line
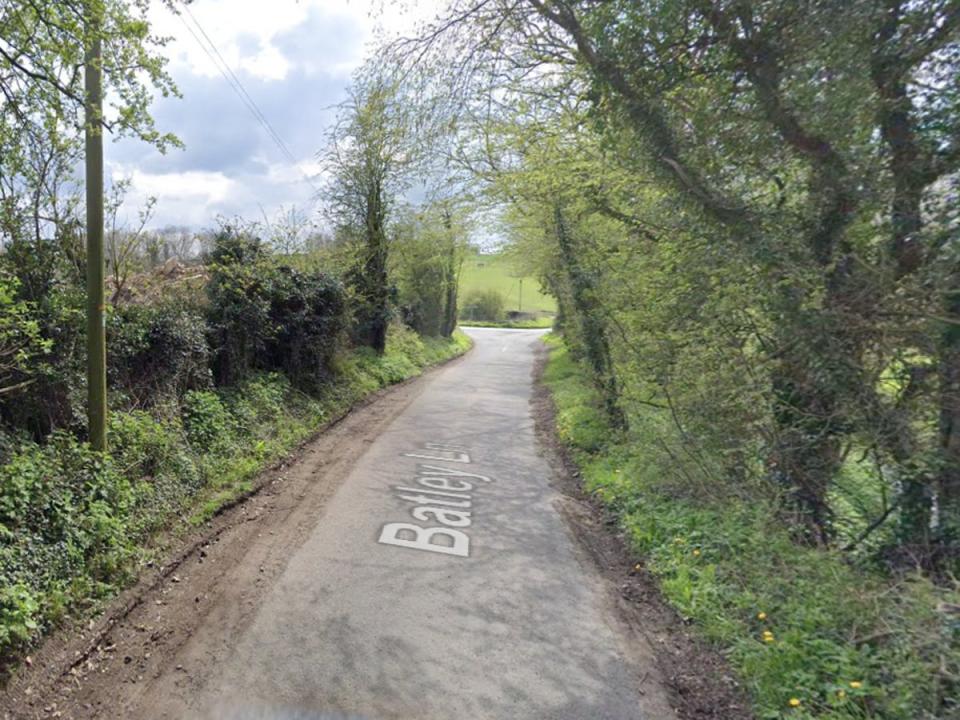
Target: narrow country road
498 614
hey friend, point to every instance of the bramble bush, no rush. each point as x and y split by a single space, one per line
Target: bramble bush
264 316
157 352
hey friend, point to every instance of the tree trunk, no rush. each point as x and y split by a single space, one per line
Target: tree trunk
374 282
816 384
592 325
948 480
451 278
807 452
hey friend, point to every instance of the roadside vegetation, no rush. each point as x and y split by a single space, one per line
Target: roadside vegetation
226 347
747 213
811 633
211 382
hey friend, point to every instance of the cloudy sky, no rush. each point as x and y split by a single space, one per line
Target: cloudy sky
295 59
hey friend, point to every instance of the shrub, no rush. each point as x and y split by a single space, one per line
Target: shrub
63 510
266 316
20 338
47 292
155 453
484 305
208 425
236 246
309 314
157 351
258 402
239 321
18 615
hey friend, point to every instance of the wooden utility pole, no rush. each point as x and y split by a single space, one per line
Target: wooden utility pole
96 316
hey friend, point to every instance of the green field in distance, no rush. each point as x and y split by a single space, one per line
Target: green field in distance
497 272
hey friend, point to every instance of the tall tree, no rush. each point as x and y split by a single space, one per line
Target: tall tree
368 158
805 135
46 98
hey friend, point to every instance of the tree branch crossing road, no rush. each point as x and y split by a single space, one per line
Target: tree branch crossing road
440 582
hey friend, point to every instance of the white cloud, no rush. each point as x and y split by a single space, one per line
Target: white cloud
207 187
227 23
295 58
231 24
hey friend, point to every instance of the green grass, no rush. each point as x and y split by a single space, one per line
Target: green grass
845 642
360 373
498 272
539 323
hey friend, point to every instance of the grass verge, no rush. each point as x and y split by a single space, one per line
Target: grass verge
74 525
811 634
542 323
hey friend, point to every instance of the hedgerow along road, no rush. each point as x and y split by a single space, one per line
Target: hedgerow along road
440 581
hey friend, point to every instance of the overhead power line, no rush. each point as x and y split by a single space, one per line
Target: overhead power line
210 49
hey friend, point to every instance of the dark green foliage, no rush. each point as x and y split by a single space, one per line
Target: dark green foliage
157 351
371 294
423 302
49 279
310 316
236 246
732 566
21 343
239 321
483 305
63 510
264 316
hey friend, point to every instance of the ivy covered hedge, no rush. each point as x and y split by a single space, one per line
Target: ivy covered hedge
74 524
209 382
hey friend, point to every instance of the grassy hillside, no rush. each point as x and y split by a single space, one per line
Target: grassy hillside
497 272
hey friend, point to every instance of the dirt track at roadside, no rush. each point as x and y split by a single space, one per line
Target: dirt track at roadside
210 585
701 683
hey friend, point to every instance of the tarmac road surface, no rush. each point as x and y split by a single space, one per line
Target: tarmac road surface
441 582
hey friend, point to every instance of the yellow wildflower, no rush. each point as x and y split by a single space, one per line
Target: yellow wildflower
767 636
841 693
761 616
696 553
794 702
856 684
